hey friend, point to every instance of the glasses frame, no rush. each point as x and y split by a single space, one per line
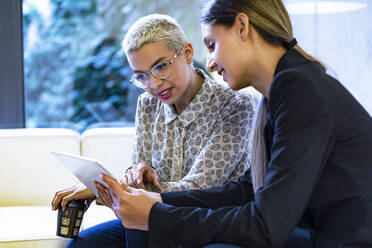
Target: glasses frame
144 86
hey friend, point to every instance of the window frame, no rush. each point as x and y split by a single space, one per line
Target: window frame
12 107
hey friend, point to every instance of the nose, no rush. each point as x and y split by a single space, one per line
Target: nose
154 82
211 64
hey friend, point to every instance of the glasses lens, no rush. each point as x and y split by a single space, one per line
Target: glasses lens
140 80
162 70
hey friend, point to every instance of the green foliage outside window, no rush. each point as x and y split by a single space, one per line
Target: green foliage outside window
76 74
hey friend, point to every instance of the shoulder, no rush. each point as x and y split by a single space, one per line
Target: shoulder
298 84
298 91
242 100
291 77
231 104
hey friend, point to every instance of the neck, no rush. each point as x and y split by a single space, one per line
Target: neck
269 58
196 81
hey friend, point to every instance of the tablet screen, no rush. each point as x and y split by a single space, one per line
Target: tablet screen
87 170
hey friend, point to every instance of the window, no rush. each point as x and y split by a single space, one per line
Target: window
76 74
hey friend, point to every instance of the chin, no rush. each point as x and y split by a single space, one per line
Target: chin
239 84
235 86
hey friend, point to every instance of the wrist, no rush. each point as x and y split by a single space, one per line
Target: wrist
157 197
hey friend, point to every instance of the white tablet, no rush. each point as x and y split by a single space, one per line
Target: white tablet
87 170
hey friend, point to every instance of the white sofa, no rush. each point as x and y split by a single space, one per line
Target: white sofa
29 177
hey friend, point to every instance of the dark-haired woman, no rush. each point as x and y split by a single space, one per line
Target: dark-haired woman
312 152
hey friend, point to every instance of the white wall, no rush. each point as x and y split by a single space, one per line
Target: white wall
343 41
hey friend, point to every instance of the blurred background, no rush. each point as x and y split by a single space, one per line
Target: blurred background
76 75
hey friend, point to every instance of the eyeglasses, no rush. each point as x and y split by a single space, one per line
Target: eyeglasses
161 71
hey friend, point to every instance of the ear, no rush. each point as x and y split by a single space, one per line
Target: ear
188 51
241 25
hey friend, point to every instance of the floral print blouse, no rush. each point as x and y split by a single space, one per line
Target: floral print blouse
206 145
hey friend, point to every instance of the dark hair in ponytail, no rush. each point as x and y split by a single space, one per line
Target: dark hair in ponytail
269 17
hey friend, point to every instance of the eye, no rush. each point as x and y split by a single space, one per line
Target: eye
141 77
160 67
210 46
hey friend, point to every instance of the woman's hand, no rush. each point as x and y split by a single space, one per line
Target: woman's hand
130 205
139 174
77 192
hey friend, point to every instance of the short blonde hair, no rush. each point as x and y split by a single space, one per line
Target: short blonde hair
152 28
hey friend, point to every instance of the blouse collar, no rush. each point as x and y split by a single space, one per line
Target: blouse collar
193 110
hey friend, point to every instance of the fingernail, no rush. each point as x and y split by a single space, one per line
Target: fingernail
138 181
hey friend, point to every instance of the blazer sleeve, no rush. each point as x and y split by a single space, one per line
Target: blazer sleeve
302 140
230 194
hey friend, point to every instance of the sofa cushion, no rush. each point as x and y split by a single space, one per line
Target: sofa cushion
35 226
112 147
29 174
29 226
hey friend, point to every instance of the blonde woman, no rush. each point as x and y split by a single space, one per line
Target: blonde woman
313 164
191 133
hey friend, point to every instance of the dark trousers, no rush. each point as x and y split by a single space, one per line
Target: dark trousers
299 239
113 234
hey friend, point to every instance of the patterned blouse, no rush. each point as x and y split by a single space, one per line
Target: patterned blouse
206 145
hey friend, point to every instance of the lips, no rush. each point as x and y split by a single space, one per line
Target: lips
165 94
221 72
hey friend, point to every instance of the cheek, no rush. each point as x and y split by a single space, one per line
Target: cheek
148 90
223 58
180 76
180 82
218 56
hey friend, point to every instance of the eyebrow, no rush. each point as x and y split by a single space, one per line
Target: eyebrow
152 65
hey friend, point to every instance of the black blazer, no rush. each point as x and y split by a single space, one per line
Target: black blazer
319 175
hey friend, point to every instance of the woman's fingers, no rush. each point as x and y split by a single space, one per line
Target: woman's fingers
156 180
76 192
114 185
104 194
57 199
138 174
125 180
151 176
130 178
60 195
66 200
